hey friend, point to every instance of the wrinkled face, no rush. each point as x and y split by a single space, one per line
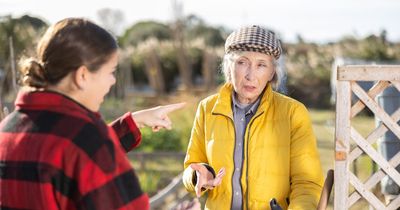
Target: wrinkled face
100 83
250 73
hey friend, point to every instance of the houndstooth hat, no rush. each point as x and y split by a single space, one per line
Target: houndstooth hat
255 39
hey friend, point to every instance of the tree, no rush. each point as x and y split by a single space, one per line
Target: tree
196 28
144 30
376 48
24 33
178 28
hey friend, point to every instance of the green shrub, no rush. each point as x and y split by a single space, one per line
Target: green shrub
163 140
149 181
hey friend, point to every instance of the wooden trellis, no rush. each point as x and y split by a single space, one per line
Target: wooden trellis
345 134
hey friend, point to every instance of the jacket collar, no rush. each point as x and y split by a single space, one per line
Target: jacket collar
223 105
49 100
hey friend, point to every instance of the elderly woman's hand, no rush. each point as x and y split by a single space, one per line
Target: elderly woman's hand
157 117
205 178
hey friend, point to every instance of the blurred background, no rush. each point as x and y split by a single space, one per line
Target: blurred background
171 52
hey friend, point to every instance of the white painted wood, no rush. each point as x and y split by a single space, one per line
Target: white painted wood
342 144
368 73
395 204
373 92
373 137
374 179
368 101
371 152
370 197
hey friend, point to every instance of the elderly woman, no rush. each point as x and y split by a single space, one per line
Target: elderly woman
263 141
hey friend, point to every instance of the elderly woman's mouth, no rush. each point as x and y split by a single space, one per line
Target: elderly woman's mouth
249 88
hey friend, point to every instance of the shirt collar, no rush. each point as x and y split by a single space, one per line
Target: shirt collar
249 108
223 104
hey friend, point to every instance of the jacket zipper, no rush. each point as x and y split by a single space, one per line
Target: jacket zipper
247 153
247 158
234 133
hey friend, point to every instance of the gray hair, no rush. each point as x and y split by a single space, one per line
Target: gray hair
230 58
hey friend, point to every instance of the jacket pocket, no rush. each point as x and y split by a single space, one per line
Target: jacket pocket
263 189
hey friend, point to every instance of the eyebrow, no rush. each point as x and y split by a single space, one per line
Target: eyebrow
264 60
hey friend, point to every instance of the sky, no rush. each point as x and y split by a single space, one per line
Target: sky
315 20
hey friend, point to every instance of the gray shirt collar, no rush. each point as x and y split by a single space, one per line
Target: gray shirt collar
249 108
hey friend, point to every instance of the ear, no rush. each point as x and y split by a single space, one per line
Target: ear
81 77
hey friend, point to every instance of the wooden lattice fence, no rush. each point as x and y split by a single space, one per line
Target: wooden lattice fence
350 144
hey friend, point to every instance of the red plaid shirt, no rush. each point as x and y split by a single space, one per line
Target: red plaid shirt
56 154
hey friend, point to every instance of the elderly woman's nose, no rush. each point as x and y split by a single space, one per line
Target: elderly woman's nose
250 73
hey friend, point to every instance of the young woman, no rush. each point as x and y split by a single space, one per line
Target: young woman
55 150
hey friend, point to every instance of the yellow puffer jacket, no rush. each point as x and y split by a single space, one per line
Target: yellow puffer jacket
280 155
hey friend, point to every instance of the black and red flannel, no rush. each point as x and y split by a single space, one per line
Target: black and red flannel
56 154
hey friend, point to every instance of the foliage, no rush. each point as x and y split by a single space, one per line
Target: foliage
196 28
308 65
164 140
149 181
144 30
196 57
176 139
168 61
157 172
138 69
376 49
25 32
371 48
169 65
308 68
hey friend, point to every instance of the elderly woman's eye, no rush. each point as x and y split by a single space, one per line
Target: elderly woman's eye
243 62
262 65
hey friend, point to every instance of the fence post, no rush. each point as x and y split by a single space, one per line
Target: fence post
342 137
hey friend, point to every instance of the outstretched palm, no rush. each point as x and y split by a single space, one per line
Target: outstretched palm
205 179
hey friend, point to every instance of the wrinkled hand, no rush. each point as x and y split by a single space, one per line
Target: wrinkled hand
205 178
189 205
157 117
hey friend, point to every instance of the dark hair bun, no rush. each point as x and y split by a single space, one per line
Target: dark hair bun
33 74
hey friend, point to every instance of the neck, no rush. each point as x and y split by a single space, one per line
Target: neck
244 101
66 87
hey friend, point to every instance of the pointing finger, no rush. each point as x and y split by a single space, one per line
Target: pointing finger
156 128
172 107
168 123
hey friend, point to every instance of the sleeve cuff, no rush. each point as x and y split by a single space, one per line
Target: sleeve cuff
127 131
137 135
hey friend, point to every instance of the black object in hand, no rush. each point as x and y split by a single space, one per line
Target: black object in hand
274 204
